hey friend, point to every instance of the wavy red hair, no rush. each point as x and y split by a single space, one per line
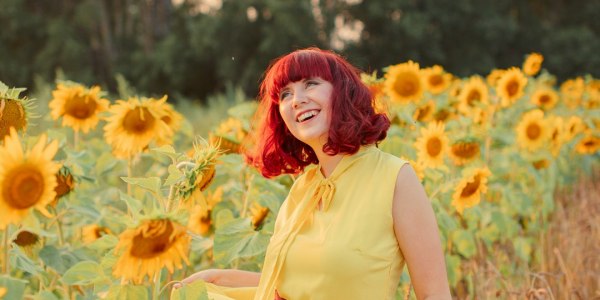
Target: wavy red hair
354 122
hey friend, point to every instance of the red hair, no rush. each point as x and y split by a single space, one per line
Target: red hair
354 122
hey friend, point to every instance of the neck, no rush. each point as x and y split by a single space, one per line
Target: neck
327 162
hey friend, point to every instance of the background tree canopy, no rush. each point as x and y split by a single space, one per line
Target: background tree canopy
195 48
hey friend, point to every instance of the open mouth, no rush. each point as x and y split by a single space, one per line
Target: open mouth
307 116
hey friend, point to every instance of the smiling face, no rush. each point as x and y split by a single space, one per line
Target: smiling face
305 107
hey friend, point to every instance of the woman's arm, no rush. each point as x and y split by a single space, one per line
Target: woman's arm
224 277
418 236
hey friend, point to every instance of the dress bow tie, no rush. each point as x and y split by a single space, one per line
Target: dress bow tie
324 193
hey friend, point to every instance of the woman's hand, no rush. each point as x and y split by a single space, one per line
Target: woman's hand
223 277
210 275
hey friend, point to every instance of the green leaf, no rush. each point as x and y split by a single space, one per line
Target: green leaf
82 273
135 205
21 261
107 241
235 238
175 175
151 184
453 269
523 248
195 290
127 292
14 287
167 150
464 242
45 295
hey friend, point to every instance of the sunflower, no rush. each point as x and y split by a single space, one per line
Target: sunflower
541 164
26 239
571 92
436 80
65 183
545 97
532 130
258 215
200 217
14 111
469 189
2 292
510 86
403 83
432 145
589 144
533 64
473 94
592 89
424 113
417 166
464 151
229 135
27 179
573 127
92 232
557 134
171 117
134 124
146 249
78 106
494 76
203 170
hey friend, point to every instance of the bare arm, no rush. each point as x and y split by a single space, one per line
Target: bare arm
224 277
418 237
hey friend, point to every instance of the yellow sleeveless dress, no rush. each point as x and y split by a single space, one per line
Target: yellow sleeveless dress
344 249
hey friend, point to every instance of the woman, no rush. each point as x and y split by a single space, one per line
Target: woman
350 223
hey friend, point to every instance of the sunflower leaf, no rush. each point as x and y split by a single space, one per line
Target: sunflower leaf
126 292
167 150
17 287
134 205
195 290
151 184
83 273
175 175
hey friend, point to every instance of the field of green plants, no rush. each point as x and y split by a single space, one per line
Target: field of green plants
121 196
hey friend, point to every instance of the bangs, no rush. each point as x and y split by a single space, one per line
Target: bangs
295 67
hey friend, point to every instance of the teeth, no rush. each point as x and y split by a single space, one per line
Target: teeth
307 115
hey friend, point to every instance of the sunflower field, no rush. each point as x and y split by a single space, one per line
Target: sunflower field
119 197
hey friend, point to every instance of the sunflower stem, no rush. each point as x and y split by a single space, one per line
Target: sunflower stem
249 186
170 198
129 174
156 290
61 236
6 268
76 140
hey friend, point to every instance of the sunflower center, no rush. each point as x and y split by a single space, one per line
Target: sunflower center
24 187
423 112
434 146
138 120
474 96
533 131
435 80
512 88
153 240
80 107
407 84
465 150
471 187
26 238
64 184
590 143
544 99
12 114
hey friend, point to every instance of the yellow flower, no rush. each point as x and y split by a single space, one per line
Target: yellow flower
26 239
134 124
14 111
436 80
27 179
544 97
92 232
557 134
432 145
148 248
573 127
494 76
403 82
202 170
2 292
592 89
79 107
418 167
472 95
468 192
572 92
464 151
510 86
424 113
171 117
229 135
533 64
590 144
541 164
532 130
258 215
200 217
65 183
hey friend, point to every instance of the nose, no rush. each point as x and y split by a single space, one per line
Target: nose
299 99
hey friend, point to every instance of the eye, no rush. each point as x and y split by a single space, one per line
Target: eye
311 82
283 95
